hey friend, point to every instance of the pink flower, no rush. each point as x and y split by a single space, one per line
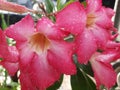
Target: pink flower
72 18
91 25
9 6
103 71
44 55
9 54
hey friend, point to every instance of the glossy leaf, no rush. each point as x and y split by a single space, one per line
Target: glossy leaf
87 69
81 81
3 23
49 6
60 4
67 3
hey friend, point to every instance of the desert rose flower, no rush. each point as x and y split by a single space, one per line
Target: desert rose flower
103 71
44 55
9 55
92 24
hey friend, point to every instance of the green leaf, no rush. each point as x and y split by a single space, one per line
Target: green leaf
70 1
1 59
5 88
49 6
61 4
84 3
56 85
81 81
3 24
86 68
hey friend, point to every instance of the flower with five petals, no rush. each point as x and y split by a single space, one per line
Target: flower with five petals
44 55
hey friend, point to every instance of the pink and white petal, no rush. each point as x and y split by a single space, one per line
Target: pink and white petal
41 73
10 67
9 53
104 73
46 27
85 46
101 36
102 19
14 54
112 44
4 52
21 30
72 18
25 82
108 56
26 54
60 57
110 12
93 5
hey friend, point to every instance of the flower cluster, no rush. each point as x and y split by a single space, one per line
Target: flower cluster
42 55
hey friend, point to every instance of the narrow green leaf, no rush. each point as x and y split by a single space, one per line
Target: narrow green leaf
60 4
81 81
49 6
56 85
86 68
63 3
67 3
3 23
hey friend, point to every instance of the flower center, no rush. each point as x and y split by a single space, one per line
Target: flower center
90 20
39 42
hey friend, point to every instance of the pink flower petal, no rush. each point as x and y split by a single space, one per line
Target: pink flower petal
2 38
104 73
108 56
110 12
46 27
112 44
103 19
26 54
13 54
93 5
72 18
85 46
60 57
42 75
8 53
101 36
10 67
22 29
3 45
25 82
